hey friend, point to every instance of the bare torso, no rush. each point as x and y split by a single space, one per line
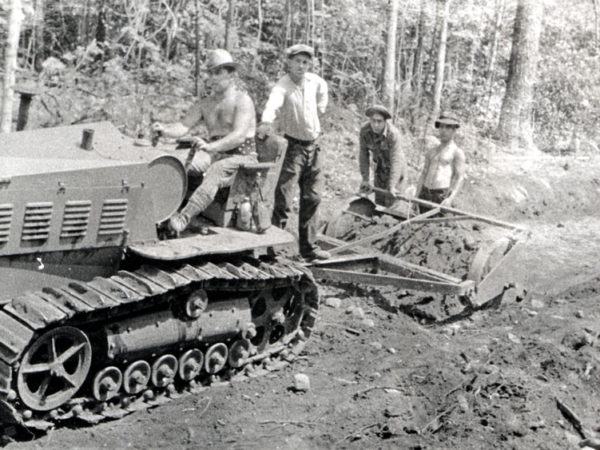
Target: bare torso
440 166
224 113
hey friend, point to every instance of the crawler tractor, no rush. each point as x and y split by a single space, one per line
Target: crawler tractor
101 312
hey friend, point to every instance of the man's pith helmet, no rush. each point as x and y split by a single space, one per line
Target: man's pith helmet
220 58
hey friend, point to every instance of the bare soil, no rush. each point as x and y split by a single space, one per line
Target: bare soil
382 379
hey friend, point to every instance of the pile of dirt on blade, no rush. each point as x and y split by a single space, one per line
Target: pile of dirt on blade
447 247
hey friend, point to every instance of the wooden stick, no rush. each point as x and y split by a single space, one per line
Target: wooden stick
288 422
363 429
373 388
438 417
571 417
449 209
382 234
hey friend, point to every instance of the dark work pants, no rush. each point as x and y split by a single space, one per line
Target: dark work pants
301 165
432 195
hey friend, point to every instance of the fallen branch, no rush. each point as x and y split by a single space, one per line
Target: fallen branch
437 418
354 433
462 385
288 422
373 388
571 417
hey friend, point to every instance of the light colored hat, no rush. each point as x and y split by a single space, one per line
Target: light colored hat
447 118
300 48
379 109
220 58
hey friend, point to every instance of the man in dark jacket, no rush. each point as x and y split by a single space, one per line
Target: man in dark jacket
380 143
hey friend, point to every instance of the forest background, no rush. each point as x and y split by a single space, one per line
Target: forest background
523 72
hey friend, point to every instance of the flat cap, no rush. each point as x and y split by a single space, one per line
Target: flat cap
220 58
300 48
447 118
379 109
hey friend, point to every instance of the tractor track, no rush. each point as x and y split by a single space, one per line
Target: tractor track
103 301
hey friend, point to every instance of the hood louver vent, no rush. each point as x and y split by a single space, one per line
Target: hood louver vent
112 220
76 219
36 224
6 212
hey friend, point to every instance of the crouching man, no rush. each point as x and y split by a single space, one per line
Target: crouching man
229 116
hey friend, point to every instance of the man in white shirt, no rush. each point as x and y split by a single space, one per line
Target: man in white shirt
296 101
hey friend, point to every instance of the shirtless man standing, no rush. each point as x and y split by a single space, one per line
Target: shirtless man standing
230 120
444 170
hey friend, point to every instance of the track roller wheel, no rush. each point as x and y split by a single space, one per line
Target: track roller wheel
164 370
216 358
54 368
238 353
136 377
190 364
107 383
196 304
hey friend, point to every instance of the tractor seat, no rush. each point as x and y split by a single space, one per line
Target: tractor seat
254 181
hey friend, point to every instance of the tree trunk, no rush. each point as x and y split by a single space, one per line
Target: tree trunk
389 75
230 27
197 48
83 24
310 22
418 61
100 24
38 33
287 35
597 20
401 65
441 59
10 64
494 49
259 32
515 121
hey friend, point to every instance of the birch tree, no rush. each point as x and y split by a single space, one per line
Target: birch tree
389 77
15 19
440 64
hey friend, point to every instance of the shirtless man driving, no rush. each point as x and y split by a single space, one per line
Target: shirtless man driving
230 120
444 170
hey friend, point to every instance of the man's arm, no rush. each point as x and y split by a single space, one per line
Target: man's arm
322 96
424 172
178 129
397 163
363 159
274 104
244 123
458 175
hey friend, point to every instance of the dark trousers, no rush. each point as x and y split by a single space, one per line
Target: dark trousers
301 165
432 195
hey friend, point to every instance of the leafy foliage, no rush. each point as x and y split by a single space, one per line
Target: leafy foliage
140 56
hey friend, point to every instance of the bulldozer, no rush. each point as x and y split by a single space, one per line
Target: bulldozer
102 312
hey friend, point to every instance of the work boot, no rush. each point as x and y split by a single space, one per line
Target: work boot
317 255
179 222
